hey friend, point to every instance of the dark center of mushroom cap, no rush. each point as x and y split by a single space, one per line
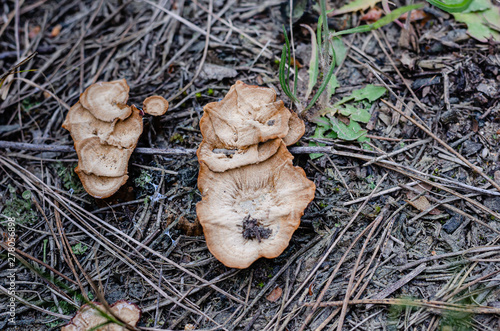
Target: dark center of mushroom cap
253 229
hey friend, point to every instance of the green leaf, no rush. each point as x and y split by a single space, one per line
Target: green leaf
313 70
478 5
26 195
370 92
381 22
355 6
332 86
356 114
325 82
451 6
478 24
340 50
347 132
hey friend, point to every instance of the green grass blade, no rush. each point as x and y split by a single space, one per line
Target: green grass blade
381 22
454 7
325 82
313 70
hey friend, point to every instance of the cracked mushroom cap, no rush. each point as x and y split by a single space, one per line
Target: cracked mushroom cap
252 212
88 317
82 124
100 187
247 115
155 105
107 101
101 160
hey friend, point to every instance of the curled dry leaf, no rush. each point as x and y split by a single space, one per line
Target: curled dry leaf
275 294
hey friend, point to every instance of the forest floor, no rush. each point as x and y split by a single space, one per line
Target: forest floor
408 241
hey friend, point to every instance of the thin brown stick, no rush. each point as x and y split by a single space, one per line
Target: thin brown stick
445 145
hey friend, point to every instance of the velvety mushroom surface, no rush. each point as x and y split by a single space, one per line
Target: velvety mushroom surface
89 318
252 211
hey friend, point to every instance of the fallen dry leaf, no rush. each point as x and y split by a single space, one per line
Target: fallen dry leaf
372 15
55 31
421 203
275 294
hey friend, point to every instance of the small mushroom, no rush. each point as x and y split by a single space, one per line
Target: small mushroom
107 101
100 159
246 116
252 211
155 105
89 318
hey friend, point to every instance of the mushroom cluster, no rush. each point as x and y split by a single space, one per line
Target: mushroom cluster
253 196
90 318
105 131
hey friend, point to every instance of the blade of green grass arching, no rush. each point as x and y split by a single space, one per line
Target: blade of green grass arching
381 22
451 7
313 70
325 82
324 20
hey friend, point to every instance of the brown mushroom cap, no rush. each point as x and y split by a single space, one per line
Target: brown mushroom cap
101 160
127 132
100 187
155 105
219 161
82 124
252 212
247 115
297 128
88 317
107 101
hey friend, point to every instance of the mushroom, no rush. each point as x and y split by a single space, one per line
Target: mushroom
99 186
101 159
155 105
82 124
219 160
296 129
252 211
90 318
126 132
107 101
246 116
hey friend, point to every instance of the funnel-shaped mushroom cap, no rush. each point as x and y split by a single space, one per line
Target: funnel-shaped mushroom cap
107 101
101 160
247 115
252 212
155 105
82 124
100 187
127 132
296 130
220 161
88 317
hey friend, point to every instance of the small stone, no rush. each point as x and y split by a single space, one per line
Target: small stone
493 203
453 223
470 147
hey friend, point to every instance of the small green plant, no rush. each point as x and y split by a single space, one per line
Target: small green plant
20 208
69 179
144 179
79 249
